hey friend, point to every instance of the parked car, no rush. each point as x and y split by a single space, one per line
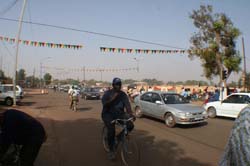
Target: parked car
170 107
229 107
7 95
91 93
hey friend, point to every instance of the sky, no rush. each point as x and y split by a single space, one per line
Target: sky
160 21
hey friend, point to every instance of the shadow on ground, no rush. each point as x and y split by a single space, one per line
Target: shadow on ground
78 142
26 103
177 125
84 109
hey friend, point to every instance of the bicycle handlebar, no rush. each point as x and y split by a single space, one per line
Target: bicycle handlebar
123 120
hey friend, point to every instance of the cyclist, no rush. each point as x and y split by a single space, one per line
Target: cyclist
20 128
73 95
114 101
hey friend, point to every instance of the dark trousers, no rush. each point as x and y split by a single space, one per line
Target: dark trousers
29 153
107 118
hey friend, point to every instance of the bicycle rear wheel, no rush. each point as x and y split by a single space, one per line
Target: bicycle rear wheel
105 138
130 153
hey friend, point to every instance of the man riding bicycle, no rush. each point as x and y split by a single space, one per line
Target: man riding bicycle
19 128
114 101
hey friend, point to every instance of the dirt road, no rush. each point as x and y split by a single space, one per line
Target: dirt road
75 137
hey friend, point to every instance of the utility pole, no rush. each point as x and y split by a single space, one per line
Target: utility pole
17 47
84 70
33 79
1 64
41 67
244 66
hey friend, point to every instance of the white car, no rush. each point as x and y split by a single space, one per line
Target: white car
6 94
229 107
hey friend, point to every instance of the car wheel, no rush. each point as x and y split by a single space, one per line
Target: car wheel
9 101
211 111
170 120
138 112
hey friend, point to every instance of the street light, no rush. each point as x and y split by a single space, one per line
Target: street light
17 48
41 68
137 63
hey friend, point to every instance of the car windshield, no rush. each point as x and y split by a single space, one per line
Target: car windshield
92 90
174 99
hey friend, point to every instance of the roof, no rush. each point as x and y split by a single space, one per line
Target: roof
244 93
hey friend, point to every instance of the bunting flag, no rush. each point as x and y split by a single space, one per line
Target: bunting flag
40 44
141 51
90 70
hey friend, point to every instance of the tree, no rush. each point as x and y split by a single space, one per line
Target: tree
215 43
153 82
21 75
232 84
32 81
128 81
47 78
240 83
2 75
248 81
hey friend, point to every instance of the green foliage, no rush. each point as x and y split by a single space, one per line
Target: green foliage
47 78
232 84
128 81
32 81
240 83
215 42
2 75
153 82
21 75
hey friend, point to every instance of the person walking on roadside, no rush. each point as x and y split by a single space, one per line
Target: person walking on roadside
237 151
19 128
73 95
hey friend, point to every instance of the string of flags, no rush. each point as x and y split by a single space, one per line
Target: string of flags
92 70
40 44
141 51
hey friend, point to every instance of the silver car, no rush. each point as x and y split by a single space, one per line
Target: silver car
170 107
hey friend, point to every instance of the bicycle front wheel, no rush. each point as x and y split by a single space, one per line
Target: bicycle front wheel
105 138
130 153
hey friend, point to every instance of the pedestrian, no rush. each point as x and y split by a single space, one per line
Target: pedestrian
237 151
20 128
150 89
142 90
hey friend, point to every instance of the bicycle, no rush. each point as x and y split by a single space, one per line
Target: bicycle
129 151
12 156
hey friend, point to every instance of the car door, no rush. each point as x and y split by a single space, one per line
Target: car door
145 102
157 109
232 105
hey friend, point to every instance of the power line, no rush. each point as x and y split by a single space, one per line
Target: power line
8 7
7 50
91 32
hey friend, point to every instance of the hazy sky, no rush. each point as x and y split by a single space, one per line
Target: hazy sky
160 21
